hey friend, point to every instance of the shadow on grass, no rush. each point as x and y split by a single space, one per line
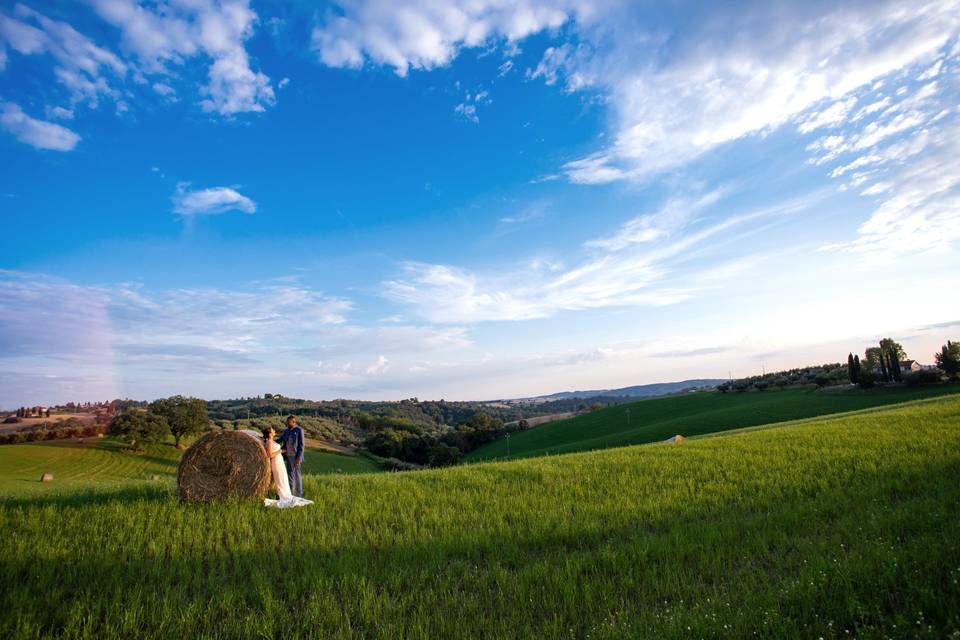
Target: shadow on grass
79 498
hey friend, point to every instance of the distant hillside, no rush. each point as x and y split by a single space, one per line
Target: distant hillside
638 391
657 419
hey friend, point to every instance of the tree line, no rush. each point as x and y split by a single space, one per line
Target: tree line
175 417
402 440
883 363
880 364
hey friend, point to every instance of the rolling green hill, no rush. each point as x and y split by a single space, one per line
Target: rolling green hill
835 528
93 463
690 414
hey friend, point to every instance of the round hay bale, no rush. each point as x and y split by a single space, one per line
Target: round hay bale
224 464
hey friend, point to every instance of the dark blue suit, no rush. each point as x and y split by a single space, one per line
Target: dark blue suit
291 442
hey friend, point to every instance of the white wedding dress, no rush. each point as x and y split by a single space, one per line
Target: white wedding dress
278 469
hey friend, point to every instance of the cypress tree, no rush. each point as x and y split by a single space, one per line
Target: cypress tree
856 368
851 373
895 365
884 372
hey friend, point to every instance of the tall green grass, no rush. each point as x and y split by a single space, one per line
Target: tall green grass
99 463
657 419
835 528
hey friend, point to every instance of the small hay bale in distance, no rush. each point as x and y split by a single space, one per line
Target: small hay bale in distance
47 477
224 464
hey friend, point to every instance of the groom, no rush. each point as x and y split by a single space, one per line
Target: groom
292 444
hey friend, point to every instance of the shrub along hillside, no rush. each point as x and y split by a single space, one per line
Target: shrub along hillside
835 528
691 414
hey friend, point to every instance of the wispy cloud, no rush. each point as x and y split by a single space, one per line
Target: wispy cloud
906 157
767 67
37 133
210 201
468 112
174 339
672 216
85 69
627 269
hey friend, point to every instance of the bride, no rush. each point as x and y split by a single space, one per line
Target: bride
279 471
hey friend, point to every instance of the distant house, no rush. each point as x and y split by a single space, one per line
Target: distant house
909 366
906 366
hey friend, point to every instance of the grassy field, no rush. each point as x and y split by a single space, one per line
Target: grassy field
657 419
834 528
93 463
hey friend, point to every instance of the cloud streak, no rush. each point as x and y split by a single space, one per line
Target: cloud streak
644 264
210 201
39 134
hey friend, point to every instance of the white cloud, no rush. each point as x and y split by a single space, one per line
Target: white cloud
81 66
169 34
60 113
672 216
379 367
529 214
418 34
467 112
768 65
130 318
905 149
932 72
919 210
164 89
210 201
36 133
564 58
829 117
627 269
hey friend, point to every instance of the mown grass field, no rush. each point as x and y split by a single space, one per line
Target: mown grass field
95 463
835 528
657 419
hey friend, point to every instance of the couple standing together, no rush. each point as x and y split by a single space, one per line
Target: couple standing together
286 457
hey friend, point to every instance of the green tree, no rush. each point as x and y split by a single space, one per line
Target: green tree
851 370
894 365
858 371
443 455
895 348
948 360
185 416
139 428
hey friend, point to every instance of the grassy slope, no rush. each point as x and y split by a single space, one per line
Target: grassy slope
835 528
93 463
657 419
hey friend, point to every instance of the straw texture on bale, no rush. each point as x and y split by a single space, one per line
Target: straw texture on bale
224 464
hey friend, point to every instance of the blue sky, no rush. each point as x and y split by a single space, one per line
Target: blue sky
468 199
